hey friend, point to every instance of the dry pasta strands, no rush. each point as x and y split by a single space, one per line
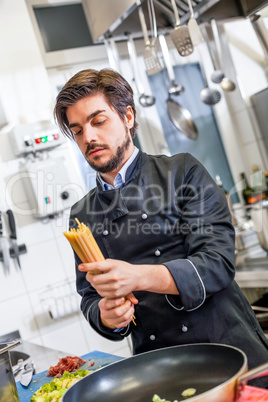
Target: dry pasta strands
85 245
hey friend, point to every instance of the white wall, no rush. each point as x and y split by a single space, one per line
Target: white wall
28 91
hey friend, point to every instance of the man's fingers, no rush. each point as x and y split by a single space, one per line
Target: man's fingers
132 298
93 268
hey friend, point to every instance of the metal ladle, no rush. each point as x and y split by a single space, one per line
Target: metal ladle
209 96
226 84
145 100
175 88
218 75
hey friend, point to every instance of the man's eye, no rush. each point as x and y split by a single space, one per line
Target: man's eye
76 133
98 123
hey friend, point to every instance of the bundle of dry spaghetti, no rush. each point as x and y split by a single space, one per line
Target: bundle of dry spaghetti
83 243
85 246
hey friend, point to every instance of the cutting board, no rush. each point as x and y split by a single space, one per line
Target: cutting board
99 358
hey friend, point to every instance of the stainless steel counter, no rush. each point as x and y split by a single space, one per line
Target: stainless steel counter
252 268
43 357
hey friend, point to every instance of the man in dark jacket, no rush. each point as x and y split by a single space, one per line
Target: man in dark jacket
163 226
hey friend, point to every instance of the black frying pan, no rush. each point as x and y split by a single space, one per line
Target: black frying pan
211 369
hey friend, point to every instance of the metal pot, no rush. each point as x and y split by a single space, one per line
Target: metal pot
259 214
8 389
217 372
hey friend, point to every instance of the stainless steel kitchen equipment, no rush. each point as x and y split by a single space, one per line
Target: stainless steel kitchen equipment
46 179
49 187
115 17
27 374
112 54
209 96
35 137
151 60
8 390
216 372
180 116
13 237
144 99
218 75
259 214
195 32
175 88
4 254
181 35
225 83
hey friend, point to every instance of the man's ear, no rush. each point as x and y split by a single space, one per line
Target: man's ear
129 117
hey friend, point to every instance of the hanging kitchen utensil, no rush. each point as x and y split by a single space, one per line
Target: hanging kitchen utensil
180 35
112 54
174 87
209 96
226 84
151 61
145 100
217 75
4 247
195 33
16 249
180 117
158 67
13 236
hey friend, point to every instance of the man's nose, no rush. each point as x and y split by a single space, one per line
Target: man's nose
90 134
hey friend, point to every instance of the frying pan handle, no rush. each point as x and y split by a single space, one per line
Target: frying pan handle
260 371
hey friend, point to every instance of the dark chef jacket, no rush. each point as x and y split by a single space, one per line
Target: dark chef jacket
171 212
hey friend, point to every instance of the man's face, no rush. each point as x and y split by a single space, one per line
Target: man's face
103 138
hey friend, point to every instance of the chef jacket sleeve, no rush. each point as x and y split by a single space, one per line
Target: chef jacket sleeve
209 237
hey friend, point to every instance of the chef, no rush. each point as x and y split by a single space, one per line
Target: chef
163 226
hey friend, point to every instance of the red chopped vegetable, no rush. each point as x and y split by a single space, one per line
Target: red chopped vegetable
68 363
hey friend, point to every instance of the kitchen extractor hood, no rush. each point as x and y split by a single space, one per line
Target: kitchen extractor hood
117 17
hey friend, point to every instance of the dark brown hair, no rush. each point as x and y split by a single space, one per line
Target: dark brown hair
112 85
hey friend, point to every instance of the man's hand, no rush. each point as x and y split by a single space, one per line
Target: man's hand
112 278
116 313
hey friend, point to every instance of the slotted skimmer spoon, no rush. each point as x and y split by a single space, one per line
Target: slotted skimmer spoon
195 33
181 35
151 61
158 67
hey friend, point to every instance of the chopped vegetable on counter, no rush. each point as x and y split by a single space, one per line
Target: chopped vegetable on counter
56 388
